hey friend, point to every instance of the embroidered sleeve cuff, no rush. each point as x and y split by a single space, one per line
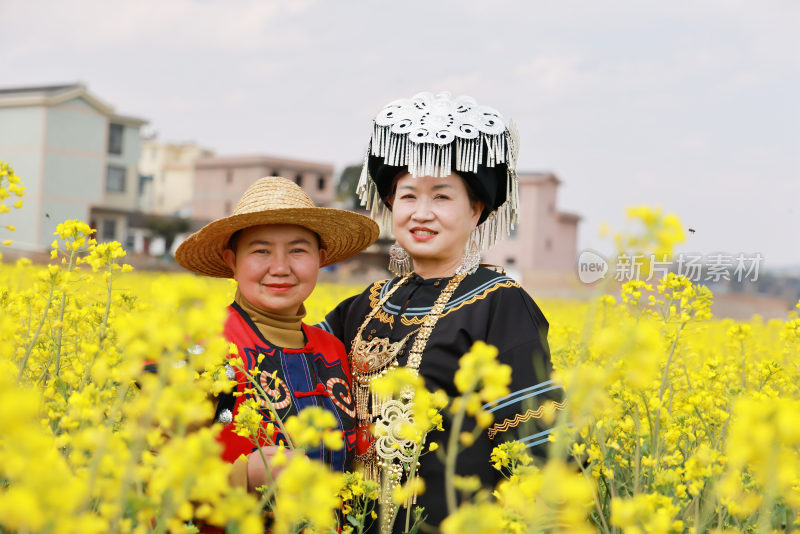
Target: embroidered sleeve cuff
526 415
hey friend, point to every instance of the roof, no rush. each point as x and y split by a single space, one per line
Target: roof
47 90
542 177
128 120
51 95
564 216
262 161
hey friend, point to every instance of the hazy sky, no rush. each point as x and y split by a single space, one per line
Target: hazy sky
690 105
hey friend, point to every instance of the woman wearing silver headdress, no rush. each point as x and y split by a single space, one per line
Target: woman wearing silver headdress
443 170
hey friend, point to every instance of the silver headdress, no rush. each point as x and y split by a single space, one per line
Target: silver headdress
429 133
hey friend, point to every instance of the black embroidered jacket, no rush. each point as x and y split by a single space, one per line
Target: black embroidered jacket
486 306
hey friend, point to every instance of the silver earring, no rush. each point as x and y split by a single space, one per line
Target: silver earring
399 260
471 260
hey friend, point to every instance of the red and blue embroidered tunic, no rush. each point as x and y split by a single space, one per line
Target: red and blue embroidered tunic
316 374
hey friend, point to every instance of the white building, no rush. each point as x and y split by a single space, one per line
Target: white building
171 166
78 159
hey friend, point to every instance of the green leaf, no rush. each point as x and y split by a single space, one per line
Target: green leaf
353 520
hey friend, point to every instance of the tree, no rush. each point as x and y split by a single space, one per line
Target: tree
168 228
346 190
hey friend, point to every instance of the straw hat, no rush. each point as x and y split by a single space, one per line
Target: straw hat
276 200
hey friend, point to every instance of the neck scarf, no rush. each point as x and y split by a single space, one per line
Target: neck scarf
280 330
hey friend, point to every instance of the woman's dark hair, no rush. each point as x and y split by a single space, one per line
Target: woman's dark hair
233 242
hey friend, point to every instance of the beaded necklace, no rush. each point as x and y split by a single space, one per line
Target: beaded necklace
370 360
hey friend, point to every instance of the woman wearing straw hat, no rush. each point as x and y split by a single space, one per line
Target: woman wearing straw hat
443 170
273 245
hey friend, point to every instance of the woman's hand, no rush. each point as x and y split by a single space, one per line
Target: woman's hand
257 471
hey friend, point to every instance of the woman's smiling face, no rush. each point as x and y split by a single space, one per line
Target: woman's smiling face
276 266
432 219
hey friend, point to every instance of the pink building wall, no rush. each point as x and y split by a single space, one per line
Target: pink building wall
545 239
221 181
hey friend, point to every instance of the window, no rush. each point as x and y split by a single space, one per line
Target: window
299 180
229 176
274 173
109 229
511 261
115 138
115 179
321 183
143 180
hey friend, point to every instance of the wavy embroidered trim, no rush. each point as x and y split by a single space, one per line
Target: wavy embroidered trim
415 320
375 292
425 310
384 317
522 418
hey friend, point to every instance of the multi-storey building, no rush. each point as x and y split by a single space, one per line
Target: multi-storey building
221 181
171 166
77 157
545 240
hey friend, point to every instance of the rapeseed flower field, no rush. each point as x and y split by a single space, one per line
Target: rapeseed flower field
674 421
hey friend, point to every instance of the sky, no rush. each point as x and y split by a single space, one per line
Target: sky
688 105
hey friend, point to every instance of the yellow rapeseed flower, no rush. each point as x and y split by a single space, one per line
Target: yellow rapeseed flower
307 492
312 426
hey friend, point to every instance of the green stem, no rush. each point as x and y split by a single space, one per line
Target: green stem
744 364
638 459
596 495
60 328
601 442
271 481
765 513
649 422
703 421
102 332
413 474
688 381
661 389
99 452
609 491
104 325
30 319
450 459
24 362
